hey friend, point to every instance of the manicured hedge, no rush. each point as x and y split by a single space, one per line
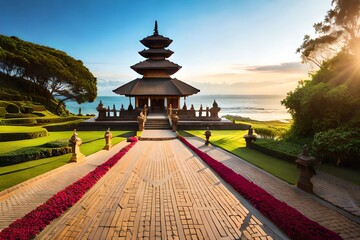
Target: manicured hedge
19 115
2 112
13 136
19 121
274 153
31 153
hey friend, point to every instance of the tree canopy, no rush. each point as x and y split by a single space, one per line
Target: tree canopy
53 72
327 106
339 31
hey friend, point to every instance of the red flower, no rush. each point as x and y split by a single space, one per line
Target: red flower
291 221
36 220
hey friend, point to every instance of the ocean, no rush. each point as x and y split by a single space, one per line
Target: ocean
258 107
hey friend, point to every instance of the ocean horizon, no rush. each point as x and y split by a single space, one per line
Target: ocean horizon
257 107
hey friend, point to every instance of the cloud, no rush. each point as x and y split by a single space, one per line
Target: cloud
110 82
288 67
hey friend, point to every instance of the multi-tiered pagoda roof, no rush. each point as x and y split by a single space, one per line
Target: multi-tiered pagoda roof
156 71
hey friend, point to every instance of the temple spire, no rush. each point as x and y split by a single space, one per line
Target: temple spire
156 28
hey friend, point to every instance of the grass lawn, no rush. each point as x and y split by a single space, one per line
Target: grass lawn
93 141
351 175
233 141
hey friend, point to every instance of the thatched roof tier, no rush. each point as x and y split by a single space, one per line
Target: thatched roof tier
156 86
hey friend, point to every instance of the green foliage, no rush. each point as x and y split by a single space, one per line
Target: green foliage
233 141
338 32
13 136
32 153
340 145
23 93
12 108
2 112
265 132
49 72
330 100
280 149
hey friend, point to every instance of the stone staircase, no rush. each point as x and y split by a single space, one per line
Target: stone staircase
157 122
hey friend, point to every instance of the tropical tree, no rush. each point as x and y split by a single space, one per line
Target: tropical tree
339 31
331 97
52 72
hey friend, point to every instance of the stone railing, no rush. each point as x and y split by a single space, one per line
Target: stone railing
107 114
207 114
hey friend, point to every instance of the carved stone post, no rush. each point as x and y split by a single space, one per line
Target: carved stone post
102 111
207 135
108 136
250 137
174 121
141 121
305 163
75 143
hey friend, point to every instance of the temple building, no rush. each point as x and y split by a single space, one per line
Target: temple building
156 89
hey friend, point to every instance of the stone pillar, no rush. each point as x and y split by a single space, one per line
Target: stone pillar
165 102
149 102
305 163
207 135
108 136
75 143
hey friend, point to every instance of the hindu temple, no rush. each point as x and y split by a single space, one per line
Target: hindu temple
157 92
156 89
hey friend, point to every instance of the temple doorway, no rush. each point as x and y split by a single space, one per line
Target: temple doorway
157 104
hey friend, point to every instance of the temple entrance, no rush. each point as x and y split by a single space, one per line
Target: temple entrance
157 104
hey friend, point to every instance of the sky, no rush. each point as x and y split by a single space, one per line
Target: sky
224 46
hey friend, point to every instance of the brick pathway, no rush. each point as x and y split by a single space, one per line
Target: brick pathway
159 190
314 208
21 199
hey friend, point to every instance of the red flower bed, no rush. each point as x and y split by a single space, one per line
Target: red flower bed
291 221
35 221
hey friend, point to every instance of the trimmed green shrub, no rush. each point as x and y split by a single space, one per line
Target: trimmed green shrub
4 137
340 145
265 132
39 114
2 112
12 108
19 121
19 115
39 108
56 144
32 153
28 109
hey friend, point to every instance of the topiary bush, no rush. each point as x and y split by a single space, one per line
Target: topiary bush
19 121
339 145
4 137
12 108
2 112
32 153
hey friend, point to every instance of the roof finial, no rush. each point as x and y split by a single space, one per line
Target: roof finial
156 29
